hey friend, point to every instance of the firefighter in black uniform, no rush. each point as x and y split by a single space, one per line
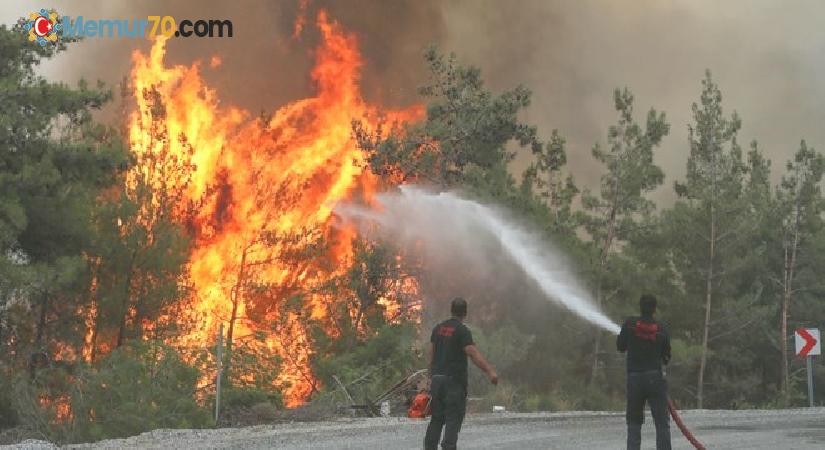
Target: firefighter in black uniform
647 344
450 344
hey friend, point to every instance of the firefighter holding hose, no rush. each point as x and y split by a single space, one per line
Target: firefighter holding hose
647 344
451 345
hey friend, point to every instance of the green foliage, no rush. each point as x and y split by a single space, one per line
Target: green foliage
139 255
373 365
631 173
506 346
246 397
373 276
136 388
791 226
54 161
8 412
545 190
714 172
463 140
255 370
720 197
575 396
613 216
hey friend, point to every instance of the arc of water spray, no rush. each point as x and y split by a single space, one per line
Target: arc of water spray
557 285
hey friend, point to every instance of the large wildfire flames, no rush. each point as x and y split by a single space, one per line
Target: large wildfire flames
260 185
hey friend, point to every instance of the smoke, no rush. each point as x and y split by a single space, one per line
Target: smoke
459 236
765 55
263 65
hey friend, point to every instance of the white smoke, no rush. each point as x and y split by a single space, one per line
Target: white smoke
448 226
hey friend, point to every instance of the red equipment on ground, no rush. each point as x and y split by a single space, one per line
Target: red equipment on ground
420 407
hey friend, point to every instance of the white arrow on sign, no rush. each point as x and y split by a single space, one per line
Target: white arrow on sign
807 342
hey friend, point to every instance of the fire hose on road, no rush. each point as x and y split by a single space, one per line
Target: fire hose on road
682 427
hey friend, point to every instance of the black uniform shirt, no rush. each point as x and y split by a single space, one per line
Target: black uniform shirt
449 339
647 343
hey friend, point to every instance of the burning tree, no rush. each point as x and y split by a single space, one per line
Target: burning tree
139 259
264 189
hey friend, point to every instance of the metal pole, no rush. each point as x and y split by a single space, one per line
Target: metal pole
810 381
219 356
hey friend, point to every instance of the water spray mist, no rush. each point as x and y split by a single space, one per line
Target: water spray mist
448 222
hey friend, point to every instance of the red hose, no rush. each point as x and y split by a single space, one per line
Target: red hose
688 435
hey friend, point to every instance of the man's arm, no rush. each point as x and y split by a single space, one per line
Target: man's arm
481 363
666 346
621 340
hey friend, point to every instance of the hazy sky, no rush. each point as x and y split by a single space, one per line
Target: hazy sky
767 57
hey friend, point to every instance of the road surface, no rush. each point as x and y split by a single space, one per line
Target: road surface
770 429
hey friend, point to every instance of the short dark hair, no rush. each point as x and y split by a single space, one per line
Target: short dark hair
647 305
458 307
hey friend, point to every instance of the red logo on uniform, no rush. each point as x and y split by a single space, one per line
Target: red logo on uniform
646 331
446 331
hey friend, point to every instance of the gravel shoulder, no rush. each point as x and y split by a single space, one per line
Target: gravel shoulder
717 429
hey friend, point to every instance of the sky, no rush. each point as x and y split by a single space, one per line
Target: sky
767 57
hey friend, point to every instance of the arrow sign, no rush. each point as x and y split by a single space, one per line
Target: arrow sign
807 342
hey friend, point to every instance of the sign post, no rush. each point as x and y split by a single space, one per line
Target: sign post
808 345
218 376
810 382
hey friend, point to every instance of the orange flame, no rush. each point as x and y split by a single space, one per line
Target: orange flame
259 184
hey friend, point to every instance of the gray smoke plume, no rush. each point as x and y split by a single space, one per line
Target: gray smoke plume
766 56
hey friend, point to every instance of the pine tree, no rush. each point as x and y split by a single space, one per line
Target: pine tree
463 141
714 213
54 160
800 205
545 179
631 173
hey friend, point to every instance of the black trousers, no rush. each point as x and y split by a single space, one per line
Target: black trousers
650 387
449 403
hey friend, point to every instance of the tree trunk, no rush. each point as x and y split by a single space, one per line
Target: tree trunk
90 340
127 301
92 316
708 301
783 333
236 299
2 316
93 343
608 241
787 292
138 322
41 322
120 331
358 317
597 345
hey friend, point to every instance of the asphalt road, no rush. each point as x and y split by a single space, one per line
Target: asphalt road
774 429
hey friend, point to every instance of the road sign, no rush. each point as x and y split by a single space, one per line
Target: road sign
807 342
808 346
